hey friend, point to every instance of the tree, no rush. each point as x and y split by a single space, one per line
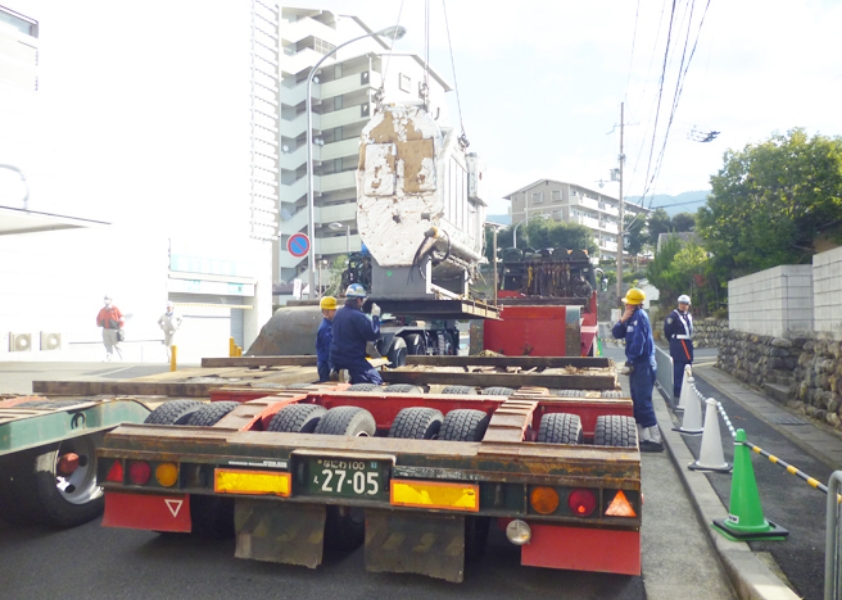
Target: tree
683 222
634 234
770 202
545 233
659 222
680 268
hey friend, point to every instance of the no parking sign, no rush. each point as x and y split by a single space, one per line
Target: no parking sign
298 245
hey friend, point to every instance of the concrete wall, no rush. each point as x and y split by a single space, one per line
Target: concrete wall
827 291
773 301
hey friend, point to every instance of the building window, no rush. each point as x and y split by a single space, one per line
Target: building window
538 198
556 195
557 215
404 83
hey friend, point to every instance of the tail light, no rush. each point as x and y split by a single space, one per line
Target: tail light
115 473
166 474
544 500
582 502
139 472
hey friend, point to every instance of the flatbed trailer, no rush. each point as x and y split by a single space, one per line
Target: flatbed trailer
416 472
48 455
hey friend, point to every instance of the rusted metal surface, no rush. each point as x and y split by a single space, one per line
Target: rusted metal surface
405 542
439 309
248 362
508 362
287 533
512 380
510 422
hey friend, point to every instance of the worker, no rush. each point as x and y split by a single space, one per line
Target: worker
678 330
635 328
324 337
351 331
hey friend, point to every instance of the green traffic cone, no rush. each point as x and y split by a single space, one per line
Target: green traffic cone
745 520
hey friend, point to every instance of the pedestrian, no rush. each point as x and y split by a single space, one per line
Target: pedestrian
635 328
169 322
324 337
351 332
111 320
678 330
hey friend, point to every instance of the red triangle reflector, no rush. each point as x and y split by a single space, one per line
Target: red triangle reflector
620 507
116 472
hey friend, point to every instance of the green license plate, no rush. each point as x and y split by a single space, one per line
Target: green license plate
345 477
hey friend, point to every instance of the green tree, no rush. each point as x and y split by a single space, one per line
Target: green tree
659 222
680 268
634 231
771 201
683 222
546 233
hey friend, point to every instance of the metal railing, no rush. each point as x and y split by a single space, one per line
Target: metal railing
663 376
832 583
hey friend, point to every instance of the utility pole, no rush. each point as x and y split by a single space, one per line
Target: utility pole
620 243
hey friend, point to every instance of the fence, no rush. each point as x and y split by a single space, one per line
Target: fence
665 371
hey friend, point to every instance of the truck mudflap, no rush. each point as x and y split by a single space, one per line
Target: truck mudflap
148 512
582 549
424 543
291 534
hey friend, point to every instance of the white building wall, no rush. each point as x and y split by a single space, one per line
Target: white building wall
772 302
827 291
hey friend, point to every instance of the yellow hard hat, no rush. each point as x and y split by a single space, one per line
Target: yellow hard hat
328 303
634 296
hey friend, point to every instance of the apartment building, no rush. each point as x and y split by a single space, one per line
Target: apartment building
343 100
571 203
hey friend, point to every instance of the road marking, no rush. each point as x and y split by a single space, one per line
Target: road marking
174 506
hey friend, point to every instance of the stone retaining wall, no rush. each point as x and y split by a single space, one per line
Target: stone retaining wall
803 371
708 333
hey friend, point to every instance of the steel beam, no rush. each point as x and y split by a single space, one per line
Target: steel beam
526 362
512 380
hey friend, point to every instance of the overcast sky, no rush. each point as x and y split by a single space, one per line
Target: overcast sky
541 82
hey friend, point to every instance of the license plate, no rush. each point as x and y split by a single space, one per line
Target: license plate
345 477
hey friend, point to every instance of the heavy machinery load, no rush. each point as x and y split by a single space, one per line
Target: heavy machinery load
417 470
420 207
548 304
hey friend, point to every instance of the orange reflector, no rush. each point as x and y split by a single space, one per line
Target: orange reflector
620 507
231 481
116 472
544 500
167 474
429 494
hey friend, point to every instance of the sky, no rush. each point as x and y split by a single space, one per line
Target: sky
540 83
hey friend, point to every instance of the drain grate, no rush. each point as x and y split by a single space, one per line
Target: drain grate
786 420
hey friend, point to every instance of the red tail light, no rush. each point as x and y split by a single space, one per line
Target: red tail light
139 472
582 502
116 472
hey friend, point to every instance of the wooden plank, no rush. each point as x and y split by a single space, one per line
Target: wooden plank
126 388
512 380
259 361
546 362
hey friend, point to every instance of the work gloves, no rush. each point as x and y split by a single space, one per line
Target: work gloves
375 310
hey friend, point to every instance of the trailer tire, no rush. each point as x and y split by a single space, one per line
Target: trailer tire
612 394
497 391
403 388
48 403
560 428
31 489
465 390
615 430
364 387
347 420
210 414
417 423
570 393
344 527
169 412
298 386
297 418
464 425
416 345
397 353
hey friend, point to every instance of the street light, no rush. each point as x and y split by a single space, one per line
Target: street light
514 232
395 33
495 227
337 227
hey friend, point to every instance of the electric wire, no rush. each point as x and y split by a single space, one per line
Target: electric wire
391 49
631 57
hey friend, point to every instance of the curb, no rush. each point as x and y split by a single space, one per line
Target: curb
750 577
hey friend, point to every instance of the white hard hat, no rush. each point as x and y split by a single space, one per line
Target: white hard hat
684 299
355 290
170 303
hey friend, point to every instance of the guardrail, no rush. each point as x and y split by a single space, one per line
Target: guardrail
664 374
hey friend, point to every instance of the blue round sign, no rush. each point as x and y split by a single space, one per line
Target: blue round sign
298 245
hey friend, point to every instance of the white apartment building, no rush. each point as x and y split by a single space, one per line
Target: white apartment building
150 152
571 203
343 102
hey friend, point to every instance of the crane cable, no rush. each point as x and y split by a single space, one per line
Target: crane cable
463 139
381 92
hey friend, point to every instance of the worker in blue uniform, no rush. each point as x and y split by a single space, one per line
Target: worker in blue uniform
678 330
352 330
635 328
324 337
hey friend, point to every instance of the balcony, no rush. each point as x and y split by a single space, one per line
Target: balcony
294 127
592 204
343 149
338 181
324 215
292 64
345 116
351 83
302 28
